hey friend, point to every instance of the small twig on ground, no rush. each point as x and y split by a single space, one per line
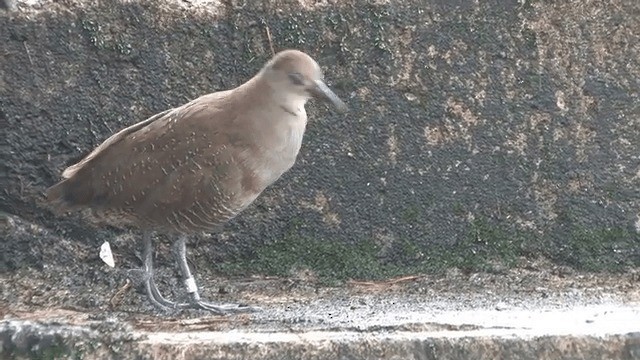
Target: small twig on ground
270 40
385 282
116 299
24 43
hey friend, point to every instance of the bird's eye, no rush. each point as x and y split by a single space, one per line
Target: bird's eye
296 79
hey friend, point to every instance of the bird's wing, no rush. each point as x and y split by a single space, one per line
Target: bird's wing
161 162
112 140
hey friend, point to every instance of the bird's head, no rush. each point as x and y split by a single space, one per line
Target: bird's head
296 75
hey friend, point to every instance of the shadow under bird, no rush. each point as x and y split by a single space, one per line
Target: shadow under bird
192 168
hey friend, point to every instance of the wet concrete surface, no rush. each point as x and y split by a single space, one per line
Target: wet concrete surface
531 314
412 329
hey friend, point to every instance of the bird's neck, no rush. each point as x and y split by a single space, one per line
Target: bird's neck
292 104
279 129
262 92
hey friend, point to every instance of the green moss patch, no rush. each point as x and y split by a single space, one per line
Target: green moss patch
608 249
486 247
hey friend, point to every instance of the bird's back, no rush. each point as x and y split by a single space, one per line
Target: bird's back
187 169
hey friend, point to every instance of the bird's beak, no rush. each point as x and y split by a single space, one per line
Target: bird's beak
320 90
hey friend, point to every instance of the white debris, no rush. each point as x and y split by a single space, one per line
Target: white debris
106 255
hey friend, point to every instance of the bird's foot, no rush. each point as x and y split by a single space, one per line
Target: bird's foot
223 309
216 309
195 304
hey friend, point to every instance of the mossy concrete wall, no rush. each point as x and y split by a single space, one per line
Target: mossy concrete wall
478 132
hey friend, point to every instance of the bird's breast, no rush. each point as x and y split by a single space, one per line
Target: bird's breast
277 152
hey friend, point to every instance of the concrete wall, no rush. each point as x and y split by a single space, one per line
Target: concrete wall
479 132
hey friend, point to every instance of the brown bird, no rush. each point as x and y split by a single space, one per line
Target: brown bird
192 168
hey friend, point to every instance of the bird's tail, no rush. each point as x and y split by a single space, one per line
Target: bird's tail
56 197
66 195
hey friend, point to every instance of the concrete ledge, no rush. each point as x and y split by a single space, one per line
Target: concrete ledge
586 332
400 345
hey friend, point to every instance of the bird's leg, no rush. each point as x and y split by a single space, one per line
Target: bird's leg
192 288
196 303
150 285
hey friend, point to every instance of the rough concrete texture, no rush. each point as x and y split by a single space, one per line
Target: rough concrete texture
416 318
484 138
